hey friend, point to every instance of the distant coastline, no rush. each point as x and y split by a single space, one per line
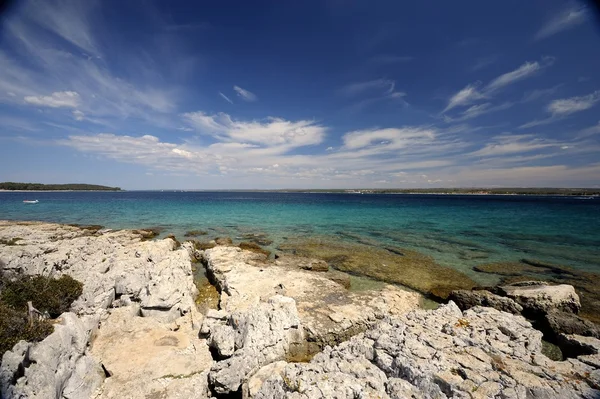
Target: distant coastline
19 187
575 192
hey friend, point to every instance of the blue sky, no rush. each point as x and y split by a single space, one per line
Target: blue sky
307 94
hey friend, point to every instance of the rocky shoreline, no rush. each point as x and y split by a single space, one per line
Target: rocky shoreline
282 328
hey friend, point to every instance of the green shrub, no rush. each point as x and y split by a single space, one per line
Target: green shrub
46 294
14 326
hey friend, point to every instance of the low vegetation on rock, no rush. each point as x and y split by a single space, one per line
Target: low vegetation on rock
49 296
53 296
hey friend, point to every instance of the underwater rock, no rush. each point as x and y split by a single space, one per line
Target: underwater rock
411 269
253 247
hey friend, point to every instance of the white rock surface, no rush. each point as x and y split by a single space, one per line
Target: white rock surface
262 335
329 313
56 367
117 268
446 353
538 297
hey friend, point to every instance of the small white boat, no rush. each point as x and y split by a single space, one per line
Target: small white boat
30 201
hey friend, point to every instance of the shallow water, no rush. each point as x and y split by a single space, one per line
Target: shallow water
457 231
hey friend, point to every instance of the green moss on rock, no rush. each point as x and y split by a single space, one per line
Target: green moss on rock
253 247
411 269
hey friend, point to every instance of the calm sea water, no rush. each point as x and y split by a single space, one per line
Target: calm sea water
458 231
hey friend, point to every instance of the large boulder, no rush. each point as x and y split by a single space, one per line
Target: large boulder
538 298
467 299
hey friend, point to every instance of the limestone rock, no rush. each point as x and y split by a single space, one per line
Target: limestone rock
53 368
467 299
263 334
148 358
478 353
117 268
301 262
244 281
556 322
538 297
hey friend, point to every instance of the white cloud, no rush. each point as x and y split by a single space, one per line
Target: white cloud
464 97
245 94
513 144
480 109
69 99
224 97
390 138
48 62
68 19
78 115
271 132
565 20
562 108
471 94
526 70
571 105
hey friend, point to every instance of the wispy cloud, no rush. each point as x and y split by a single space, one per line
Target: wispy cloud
513 144
567 19
224 97
465 96
571 105
537 94
562 108
69 99
472 92
58 54
526 70
590 131
245 94
477 110
78 115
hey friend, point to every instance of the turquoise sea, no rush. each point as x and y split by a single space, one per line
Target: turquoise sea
459 231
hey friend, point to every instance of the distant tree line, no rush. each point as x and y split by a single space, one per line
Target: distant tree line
52 187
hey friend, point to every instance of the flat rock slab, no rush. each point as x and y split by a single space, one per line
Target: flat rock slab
146 357
328 312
